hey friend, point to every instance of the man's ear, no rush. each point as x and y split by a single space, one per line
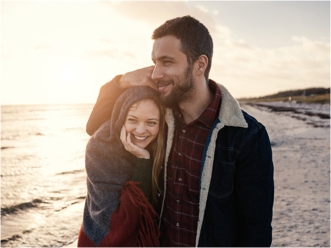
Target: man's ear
201 64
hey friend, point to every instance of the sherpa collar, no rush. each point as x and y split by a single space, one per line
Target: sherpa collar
230 111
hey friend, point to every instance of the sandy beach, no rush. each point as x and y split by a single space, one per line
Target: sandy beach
301 155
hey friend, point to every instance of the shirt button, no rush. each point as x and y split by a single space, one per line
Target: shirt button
179 154
184 131
177 200
177 224
179 179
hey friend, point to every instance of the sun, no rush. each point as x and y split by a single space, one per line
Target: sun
66 78
68 75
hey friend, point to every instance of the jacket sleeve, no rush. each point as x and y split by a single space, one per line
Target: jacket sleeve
103 108
255 191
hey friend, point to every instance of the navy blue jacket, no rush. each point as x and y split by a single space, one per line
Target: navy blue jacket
240 199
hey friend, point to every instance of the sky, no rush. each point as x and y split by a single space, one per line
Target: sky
64 51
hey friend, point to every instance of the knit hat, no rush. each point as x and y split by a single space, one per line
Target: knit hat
110 131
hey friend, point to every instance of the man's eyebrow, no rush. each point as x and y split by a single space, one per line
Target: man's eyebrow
163 58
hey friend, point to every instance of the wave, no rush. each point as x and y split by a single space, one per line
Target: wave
6 147
71 172
23 206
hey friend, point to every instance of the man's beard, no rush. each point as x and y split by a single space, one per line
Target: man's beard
181 91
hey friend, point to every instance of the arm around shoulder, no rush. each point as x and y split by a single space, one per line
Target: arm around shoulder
103 108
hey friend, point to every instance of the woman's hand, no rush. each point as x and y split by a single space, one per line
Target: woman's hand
132 148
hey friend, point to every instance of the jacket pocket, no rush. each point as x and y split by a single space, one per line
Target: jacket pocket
221 184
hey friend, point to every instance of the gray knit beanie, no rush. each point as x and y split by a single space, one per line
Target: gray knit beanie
111 129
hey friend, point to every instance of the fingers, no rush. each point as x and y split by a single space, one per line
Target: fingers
130 147
140 77
126 140
123 135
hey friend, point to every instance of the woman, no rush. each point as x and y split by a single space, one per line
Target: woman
123 162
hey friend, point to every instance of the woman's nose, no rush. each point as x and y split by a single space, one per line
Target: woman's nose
140 128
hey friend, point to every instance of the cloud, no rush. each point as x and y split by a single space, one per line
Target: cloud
46 47
249 70
112 53
156 13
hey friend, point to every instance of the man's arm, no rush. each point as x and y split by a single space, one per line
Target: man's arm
110 92
103 108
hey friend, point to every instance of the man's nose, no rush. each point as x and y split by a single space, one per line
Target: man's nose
157 73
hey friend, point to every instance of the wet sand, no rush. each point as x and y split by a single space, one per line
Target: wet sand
301 155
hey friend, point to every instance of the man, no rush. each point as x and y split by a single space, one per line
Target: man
218 188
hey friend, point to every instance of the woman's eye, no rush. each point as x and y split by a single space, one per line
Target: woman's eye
131 120
151 123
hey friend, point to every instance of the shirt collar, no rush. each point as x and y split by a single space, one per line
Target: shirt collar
209 115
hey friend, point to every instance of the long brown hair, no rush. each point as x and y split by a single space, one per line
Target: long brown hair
158 152
157 147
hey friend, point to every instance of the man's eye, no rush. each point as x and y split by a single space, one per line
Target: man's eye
166 62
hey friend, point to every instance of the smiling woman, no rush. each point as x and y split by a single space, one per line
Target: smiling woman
117 211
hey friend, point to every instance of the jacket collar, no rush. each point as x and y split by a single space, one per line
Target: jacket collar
230 112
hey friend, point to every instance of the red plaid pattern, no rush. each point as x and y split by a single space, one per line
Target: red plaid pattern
181 209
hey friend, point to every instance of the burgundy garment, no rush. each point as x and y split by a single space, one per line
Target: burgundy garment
134 222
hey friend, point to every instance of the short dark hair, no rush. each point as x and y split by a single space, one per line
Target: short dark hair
194 36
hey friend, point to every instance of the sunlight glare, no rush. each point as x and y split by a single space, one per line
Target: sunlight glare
68 75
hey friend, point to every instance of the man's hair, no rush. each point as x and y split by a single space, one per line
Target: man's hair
194 36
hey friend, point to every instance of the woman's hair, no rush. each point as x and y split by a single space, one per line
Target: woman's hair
158 149
125 101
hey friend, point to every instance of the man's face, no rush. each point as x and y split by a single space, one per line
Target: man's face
172 73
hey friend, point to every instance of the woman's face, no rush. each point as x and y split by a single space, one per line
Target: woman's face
143 122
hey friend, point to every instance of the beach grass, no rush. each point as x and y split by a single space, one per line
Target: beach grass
322 99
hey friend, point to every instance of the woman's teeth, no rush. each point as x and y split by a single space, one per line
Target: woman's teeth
140 138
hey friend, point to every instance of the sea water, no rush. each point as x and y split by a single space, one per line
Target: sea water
43 179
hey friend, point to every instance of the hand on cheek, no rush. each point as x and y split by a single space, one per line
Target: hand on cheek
132 148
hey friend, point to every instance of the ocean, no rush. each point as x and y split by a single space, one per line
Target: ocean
43 180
